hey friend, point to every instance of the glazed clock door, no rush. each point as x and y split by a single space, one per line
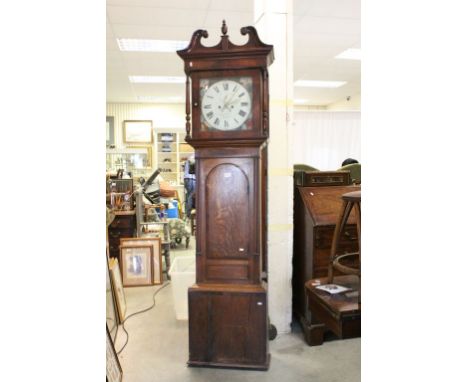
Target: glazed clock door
227 104
228 196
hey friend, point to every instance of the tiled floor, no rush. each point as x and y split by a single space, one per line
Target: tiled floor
158 349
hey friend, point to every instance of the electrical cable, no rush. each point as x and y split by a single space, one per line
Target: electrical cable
136 313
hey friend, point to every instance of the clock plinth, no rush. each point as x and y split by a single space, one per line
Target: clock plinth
227 103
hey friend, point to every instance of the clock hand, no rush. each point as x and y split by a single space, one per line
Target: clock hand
224 102
232 95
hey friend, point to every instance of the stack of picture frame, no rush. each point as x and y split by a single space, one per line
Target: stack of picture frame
141 261
113 369
140 264
114 317
118 291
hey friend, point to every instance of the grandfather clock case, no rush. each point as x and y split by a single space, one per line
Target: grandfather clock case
227 103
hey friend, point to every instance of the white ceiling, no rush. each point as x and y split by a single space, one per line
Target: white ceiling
322 29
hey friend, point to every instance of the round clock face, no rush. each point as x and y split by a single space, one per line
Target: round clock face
226 105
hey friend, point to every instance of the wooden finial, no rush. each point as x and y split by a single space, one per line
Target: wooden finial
224 28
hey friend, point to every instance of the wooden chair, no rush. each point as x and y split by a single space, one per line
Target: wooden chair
193 221
341 312
304 167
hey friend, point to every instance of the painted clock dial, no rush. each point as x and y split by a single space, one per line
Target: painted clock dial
226 103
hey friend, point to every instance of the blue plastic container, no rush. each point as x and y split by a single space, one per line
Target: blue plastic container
173 212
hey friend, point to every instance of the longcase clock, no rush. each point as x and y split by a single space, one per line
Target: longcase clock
227 103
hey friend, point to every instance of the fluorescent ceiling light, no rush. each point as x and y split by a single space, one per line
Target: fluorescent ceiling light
141 45
319 84
350 54
300 100
156 80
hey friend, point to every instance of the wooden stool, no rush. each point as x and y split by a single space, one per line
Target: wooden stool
350 200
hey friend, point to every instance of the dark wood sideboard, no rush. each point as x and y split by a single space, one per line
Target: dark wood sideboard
315 214
124 225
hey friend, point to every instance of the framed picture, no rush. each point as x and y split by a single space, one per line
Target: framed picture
138 132
110 131
118 289
113 368
136 266
157 255
112 317
142 160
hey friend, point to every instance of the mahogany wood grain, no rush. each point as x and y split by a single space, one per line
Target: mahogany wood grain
123 226
229 327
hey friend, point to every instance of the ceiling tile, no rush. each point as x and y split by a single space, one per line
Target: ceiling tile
234 20
155 16
237 5
328 25
178 4
331 8
156 32
322 29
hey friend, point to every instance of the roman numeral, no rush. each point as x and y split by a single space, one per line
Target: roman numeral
240 95
242 113
235 89
216 122
209 106
236 120
208 96
217 89
244 103
225 86
210 115
226 124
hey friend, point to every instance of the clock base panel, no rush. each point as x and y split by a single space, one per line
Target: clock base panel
228 327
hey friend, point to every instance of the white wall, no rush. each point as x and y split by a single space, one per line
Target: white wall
164 116
354 103
323 139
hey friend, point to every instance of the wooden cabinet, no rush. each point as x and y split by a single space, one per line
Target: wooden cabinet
123 225
315 214
229 326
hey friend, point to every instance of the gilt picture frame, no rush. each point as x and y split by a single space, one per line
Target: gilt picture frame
136 265
138 132
149 154
119 294
157 254
112 314
113 369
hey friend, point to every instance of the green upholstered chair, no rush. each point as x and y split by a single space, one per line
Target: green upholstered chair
304 167
355 170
